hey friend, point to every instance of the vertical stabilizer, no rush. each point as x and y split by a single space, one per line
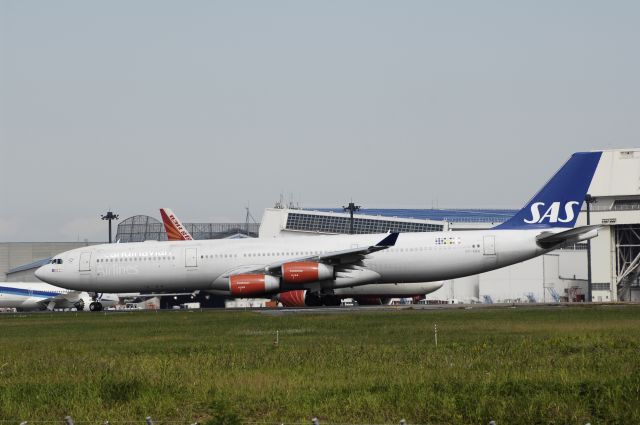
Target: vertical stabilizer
173 226
558 203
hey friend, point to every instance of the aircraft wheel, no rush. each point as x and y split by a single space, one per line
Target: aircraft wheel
95 306
330 300
313 299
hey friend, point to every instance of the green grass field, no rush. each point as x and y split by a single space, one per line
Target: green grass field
553 365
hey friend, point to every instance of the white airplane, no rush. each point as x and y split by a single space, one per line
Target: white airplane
257 267
28 296
371 294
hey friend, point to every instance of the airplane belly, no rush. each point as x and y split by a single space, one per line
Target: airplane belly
436 265
390 289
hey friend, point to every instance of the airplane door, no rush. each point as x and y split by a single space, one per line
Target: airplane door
85 261
489 245
191 257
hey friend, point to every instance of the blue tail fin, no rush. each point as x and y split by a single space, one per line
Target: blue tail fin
558 202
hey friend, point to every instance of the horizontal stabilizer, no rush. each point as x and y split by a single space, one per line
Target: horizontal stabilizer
579 234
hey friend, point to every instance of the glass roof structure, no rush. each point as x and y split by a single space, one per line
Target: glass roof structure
142 228
329 223
448 215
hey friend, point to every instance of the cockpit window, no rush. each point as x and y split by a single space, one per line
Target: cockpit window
55 261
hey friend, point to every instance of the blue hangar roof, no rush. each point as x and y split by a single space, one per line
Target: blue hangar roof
450 215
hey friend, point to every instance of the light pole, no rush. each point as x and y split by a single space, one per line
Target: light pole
351 208
110 216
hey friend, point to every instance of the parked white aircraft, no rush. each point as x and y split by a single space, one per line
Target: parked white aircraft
26 296
376 293
254 267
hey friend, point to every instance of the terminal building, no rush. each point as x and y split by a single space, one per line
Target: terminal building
562 275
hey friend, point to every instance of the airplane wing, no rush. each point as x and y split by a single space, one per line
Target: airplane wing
578 234
345 256
342 256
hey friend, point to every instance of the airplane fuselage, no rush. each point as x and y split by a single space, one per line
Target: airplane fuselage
206 265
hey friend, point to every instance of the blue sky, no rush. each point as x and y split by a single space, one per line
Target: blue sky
206 106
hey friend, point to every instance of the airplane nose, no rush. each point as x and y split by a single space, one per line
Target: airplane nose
40 273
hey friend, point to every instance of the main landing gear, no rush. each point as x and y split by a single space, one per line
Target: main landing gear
316 299
95 304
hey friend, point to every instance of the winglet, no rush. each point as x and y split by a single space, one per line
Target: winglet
174 228
389 240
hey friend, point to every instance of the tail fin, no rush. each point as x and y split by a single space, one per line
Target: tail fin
558 203
174 228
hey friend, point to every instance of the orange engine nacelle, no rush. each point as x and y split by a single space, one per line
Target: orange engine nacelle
293 298
306 271
252 284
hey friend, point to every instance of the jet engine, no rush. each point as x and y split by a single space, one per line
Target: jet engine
241 285
293 298
306 272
